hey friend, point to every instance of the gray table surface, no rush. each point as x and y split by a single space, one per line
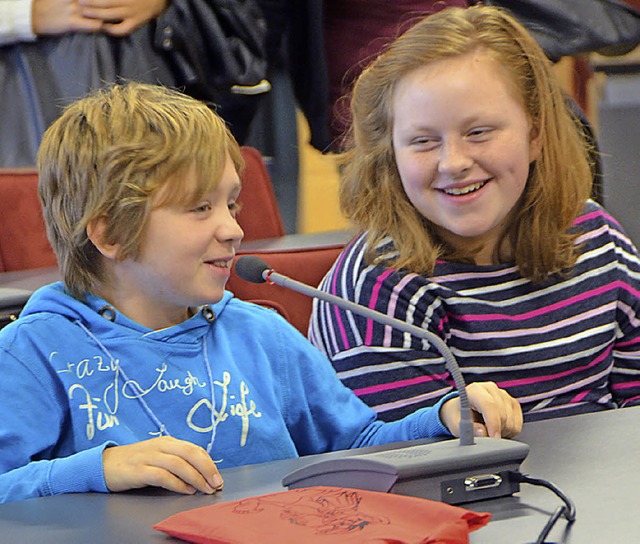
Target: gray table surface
593 458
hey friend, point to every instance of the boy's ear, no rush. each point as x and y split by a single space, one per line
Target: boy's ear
96 233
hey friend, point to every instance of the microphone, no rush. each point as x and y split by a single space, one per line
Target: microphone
436 471
255 270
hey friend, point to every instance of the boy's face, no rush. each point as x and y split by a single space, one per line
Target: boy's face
463 147
185 256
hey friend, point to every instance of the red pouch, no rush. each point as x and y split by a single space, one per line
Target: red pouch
325 515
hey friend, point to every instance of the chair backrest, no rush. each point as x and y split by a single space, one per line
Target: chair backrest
307 265
303 257
259 216
23 239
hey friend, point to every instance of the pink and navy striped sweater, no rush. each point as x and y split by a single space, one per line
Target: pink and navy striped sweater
564 346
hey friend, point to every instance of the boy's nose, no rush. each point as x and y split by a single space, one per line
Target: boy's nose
231 230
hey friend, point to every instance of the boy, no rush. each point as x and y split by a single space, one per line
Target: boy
140 369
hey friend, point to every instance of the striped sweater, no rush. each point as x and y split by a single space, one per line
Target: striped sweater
561 347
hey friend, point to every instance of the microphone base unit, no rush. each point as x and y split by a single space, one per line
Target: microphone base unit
441 471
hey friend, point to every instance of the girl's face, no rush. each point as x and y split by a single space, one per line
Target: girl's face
463 145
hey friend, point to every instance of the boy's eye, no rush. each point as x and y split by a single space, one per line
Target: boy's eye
234 207
204 207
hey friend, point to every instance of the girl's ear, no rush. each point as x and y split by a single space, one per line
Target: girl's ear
96 233
535 144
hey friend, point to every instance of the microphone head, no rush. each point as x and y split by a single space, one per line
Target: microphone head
251 268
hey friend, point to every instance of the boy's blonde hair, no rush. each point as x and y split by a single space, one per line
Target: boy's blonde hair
108 154
559 183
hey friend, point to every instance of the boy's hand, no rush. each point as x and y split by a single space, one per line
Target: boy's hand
176 465
496 413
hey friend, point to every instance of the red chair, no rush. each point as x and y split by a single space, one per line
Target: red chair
259 216
303 257
24 245
23 239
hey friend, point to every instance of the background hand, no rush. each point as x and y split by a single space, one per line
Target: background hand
496 413
121 17
176 465
59 17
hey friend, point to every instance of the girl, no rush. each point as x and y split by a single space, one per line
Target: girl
470 181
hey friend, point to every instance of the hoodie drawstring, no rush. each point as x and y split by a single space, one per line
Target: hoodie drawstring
140 394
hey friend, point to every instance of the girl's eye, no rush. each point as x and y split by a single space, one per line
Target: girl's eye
478 133
425 142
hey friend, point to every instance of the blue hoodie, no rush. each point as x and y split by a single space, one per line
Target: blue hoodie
77 376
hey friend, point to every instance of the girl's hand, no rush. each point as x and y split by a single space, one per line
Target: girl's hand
496 413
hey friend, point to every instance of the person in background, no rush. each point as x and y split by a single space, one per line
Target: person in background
140 369
469 179
355 32
52 52
25 20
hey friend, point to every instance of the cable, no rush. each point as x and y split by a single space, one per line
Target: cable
568 510
550 523
570 514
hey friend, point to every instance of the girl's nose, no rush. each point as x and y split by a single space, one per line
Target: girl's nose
454 159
